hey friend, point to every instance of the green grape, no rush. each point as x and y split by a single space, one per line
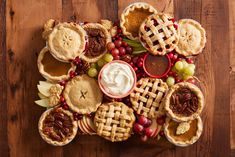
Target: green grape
179 65
101 62
189 71
186 77
185 64
94 65
192 66
108 57
92 72
170 81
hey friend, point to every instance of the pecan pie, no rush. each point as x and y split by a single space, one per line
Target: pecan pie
158 34
114 121
184 101
148 96
183 133
133 16
57 127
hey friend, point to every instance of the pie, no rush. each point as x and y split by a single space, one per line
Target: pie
192 37
158 34
67 41
98 37
148 96
82 94
51 68
114 121
184 102
133 16
57 127
183 133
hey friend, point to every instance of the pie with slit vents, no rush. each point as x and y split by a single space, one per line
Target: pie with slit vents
57 126
114 121
133 16
67 41
148 96
158 34
82 94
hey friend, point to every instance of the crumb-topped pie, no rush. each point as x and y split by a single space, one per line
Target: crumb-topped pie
51 68
184 102
82 94
98 37
183 133
158 34
67 41
192 37
114 121
148 96
57 126
133 16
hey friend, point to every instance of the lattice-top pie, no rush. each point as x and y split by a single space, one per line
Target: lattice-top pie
148 96
114 121
158 34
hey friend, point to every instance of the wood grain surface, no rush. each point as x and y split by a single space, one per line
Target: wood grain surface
20 39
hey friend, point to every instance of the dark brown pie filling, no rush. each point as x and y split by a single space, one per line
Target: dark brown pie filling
57 125
184 102
96 42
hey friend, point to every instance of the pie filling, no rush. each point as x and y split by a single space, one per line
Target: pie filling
187 136
134 19
58 126
54 67
184 102
96 42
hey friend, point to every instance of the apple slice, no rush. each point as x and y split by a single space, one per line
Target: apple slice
80 125
86 125
45 83
90 124
43 102
44 90
41 96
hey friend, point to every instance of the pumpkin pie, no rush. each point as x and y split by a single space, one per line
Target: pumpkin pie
57 126
183 133
133 16
82 94
184 102
51 68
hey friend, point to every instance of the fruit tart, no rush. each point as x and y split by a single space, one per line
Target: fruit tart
183 133
67 41
51 68
98 37
133 16
184 102
57 126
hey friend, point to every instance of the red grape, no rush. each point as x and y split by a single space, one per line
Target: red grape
135 59
170 55
122 51
110 46
129 49
117 43
149 122
142 120
189 61
116 57
148 132
115 52
124 44
138 128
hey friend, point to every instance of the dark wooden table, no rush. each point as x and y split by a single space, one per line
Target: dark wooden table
20 38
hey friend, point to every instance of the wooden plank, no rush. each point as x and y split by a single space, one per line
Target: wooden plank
232 71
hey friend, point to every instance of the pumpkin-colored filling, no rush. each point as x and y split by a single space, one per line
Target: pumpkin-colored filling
54 67
134 19
187 136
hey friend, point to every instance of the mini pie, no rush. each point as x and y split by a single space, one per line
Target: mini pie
183 133
51 68
148 96
184 102
57 127
192 37
114 121
67 41
158 34
133 16
83 94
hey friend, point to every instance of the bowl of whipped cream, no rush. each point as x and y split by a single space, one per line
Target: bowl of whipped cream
117 79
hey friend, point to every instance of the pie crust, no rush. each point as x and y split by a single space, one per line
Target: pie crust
114 121
148 96
106 36
83 94
54 142
192 37
133 16
60 70
67 41
180 117
187 138
158 34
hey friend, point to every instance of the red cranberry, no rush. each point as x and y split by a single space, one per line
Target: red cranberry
161 133
117 43
72 74
170 55
138 128
65 107
140 64
189 61
135 59
124 44
191 80
62 83
160 120
129 50
131 64
115 52
62 99
122 51
175 57
148 132
135 68
116 57
77 116
149 122
144 138
142 120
